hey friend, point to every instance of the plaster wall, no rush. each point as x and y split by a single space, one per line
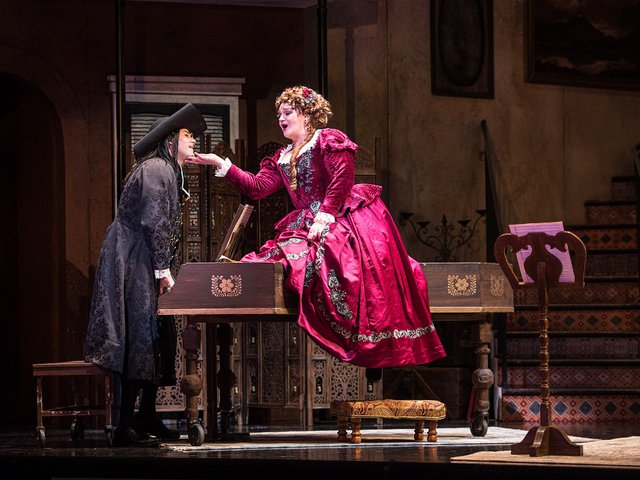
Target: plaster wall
555 147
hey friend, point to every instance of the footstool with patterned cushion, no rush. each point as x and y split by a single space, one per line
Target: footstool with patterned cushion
421 411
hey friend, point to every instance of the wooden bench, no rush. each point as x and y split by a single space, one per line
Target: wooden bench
421 411
74 368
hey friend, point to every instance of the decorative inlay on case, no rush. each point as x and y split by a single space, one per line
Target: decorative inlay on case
461 285
226 287
497 286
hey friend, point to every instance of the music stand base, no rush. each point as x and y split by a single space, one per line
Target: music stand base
540 441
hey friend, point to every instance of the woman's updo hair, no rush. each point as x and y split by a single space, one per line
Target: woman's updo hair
309 102
316 108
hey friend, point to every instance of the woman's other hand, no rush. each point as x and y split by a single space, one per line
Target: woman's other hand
320 222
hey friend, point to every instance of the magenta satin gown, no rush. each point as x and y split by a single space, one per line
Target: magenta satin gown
362 298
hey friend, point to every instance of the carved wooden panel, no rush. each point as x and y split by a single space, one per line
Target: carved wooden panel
170 399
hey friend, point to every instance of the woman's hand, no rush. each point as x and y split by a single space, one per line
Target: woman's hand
205 159
165 284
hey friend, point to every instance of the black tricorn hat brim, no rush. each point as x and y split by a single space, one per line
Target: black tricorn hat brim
188 117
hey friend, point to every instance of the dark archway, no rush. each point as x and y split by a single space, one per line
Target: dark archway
32 245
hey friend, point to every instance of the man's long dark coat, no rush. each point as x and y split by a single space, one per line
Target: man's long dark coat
123 331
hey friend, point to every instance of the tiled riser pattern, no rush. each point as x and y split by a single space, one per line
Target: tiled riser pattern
612 264
564 376
570 348
573 409
625 293
612 321
607 214
623 188
605 238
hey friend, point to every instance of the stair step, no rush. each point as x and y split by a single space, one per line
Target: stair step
598 237
581 407
623 187
614 262
633 392
608 212
572 334
618 347
583 377
622 290
605 363
616 318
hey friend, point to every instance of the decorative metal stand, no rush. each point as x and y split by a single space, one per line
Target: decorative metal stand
444 238
544 269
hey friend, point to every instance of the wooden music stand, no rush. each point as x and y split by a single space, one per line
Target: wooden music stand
544 269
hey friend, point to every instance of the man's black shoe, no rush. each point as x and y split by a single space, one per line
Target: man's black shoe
156 427
134 438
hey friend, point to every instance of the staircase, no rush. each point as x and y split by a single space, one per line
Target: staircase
594 332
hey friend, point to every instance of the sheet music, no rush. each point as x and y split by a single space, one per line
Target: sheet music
550 228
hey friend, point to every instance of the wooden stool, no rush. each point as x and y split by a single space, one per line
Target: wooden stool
421 411
74 368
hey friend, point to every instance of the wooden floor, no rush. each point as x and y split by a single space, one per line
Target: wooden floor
20 457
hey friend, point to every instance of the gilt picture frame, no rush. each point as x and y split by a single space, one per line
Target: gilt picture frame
582 44
462 48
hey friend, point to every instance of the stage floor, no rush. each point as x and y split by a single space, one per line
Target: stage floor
376 458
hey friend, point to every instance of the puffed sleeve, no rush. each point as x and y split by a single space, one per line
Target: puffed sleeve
338 153
158 191
267 181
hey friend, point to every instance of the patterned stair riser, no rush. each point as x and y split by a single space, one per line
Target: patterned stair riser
565 376
604 238
622 321
610 214
612 264
605 292
576 347
570 409
623 188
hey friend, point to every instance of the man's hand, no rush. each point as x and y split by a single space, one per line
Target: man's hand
165 284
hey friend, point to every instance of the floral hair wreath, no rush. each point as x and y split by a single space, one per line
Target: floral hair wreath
308 95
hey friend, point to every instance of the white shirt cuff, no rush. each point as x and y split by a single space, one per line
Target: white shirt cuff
222 170
163 273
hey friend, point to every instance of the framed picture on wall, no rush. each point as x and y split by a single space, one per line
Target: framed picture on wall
462 48
586 44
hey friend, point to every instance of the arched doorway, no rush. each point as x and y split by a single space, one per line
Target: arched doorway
32 244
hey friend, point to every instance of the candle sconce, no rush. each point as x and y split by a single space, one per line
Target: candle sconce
445 237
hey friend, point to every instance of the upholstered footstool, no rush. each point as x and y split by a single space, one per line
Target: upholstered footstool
421 411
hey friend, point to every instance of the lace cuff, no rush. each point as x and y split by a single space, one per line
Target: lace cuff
222 170
162 273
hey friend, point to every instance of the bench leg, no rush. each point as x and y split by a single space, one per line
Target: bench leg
39 406
432 434
342 428
40 435
418 436
356 436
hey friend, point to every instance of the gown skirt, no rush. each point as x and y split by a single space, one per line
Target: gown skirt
362 298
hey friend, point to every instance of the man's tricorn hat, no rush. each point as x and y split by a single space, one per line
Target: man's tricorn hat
188 117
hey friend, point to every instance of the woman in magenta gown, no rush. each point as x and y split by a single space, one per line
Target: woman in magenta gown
361 297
